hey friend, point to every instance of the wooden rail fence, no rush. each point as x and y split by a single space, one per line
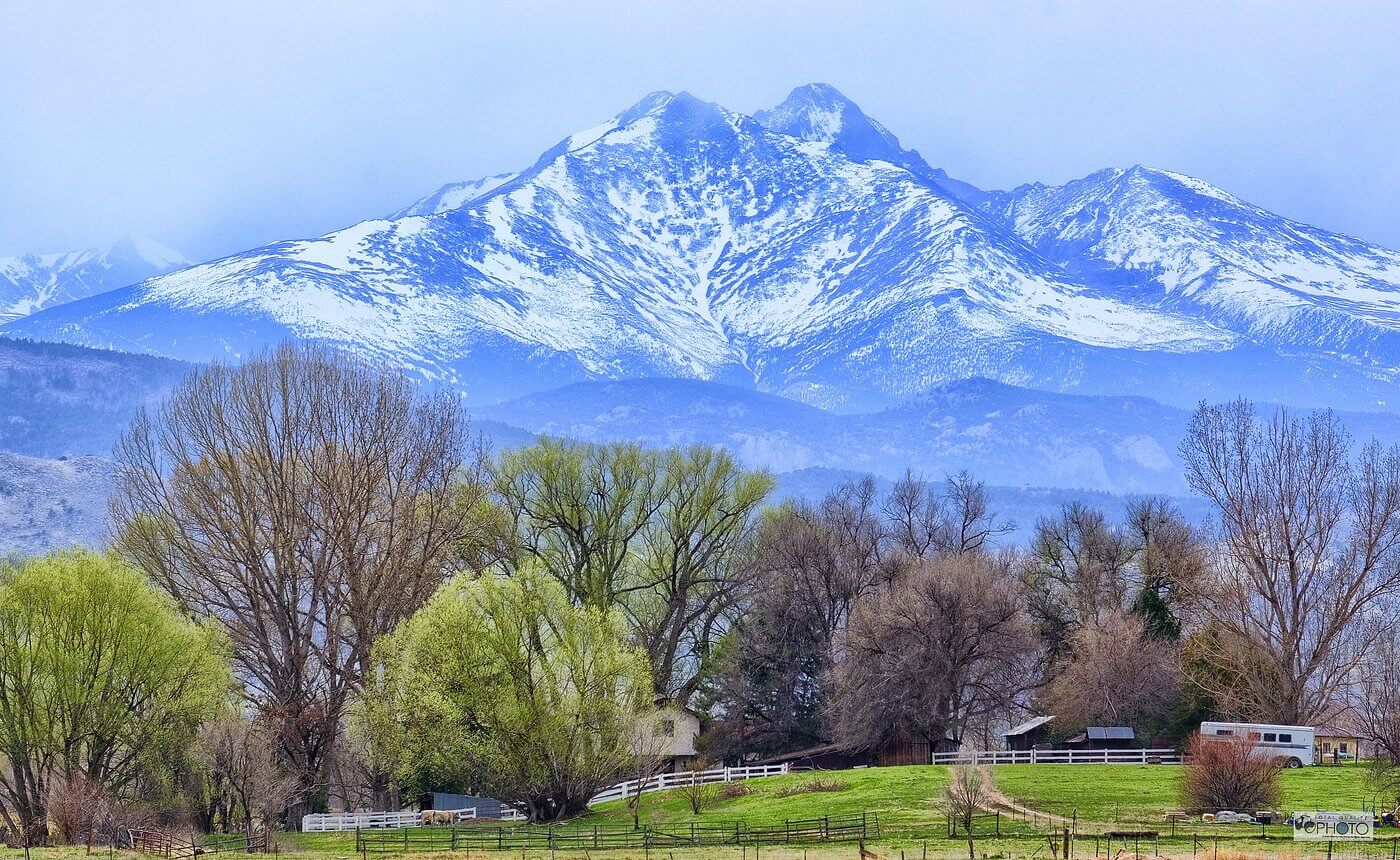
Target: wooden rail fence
849 828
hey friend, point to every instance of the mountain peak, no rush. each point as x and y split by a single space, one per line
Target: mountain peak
818 94
821 113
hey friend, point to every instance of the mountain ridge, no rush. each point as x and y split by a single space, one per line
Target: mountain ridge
801 251
32 282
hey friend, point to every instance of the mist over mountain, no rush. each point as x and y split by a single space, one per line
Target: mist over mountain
36 281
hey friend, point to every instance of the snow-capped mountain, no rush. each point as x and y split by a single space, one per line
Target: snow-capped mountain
804 252
679 239
1190 247
454 195
821 114
36 281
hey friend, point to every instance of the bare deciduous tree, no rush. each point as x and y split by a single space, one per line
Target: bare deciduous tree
1376 705
811 564
1115 674
968 791
309 501
920 522
245 785
1311 543
1171 560
1079 568
946 641
80 809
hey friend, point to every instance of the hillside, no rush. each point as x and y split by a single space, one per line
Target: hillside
51 504
59 400
1005 435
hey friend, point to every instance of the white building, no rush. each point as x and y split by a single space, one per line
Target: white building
670 733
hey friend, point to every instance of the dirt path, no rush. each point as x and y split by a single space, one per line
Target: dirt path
998 799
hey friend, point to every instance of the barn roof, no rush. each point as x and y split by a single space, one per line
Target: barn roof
1028 725
1110 733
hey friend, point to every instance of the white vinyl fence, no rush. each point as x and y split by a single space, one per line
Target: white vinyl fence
660 782
976 757
663 781
336 821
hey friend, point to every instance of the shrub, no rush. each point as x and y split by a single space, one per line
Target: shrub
79 809
734 789
1229 773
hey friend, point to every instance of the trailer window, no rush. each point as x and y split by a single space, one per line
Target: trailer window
1224 732
1285 739
1270 737
1254 736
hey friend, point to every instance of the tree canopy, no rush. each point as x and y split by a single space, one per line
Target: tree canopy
505 685
101 677
308 501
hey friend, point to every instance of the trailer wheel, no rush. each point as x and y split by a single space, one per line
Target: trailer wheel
1294 762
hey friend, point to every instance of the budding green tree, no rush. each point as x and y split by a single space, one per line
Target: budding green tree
506 686
101 677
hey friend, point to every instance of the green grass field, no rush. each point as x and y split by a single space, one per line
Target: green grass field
907 801
899 795
1142 793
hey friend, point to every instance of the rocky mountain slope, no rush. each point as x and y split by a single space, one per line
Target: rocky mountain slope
51 504
37 281
801 252
1188 247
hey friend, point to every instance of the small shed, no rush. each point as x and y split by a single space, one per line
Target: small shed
1104 738
1030 734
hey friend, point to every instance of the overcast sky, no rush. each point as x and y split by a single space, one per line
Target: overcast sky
218 126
